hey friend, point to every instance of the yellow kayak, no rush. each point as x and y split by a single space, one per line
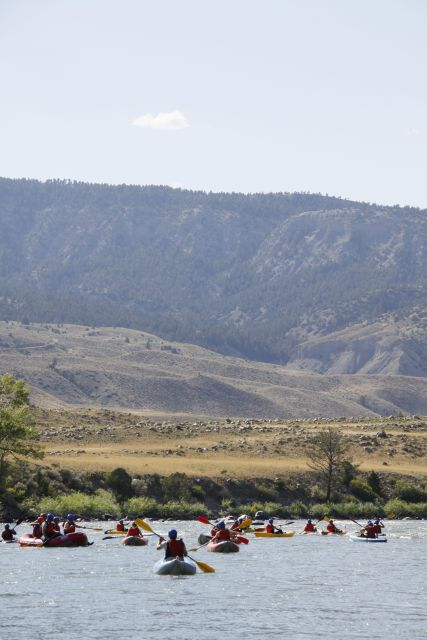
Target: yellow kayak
285 534
114 532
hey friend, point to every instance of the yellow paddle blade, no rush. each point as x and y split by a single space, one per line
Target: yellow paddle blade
391 516
246 523
143 525
206 568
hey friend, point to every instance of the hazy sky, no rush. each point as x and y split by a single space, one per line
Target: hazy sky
227 95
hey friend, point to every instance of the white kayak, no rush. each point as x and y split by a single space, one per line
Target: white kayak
363 539
174 567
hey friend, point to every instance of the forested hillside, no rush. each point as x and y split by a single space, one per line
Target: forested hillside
304 280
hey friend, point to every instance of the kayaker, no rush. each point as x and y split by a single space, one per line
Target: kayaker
369 530
134 530
270 528
8 533
332 528
223 533
309 527
48 529
69 524
378 525
37 526
120 526
56 522
214 530
174 547
235 526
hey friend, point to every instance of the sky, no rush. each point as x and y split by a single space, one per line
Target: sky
326 96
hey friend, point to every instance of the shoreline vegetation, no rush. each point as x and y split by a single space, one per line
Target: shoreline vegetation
100 463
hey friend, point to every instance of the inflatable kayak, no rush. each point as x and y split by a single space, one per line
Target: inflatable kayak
363 539
174 567
285 534
114 532
134 541
333 533
225 546
77 539
203 538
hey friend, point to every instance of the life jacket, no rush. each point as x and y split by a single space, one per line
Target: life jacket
370 531
37 530
377 528
222 534
49 529
331 528
120 527
214 531
133 531
69 527
309 527
175 548
269 528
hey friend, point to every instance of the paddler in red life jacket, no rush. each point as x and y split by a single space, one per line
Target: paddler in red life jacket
8 533
378 526
174 547
214 530
309 527
223 533
369 530
48 529
69 524
331 528
37 525
270 528
134 530
120 526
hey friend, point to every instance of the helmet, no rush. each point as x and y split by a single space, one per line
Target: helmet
172 533
309 521
70 516
7 526
49 516
377 521
270 520
121 521
370 522
221 524
56 519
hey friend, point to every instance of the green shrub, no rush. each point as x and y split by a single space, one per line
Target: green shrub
227 504
298 509
181 510
120 482
402 508
374 482
362 490
88 506
143 507
409 492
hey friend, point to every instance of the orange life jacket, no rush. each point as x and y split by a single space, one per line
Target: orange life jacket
331 528
269 528
222 534
133 531
309 527
120 527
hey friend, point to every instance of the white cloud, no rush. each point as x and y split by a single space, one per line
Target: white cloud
171 120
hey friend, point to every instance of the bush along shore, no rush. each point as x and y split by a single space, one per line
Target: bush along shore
29 489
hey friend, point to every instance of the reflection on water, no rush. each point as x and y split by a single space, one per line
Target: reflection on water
300 587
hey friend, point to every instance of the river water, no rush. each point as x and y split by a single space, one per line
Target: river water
300 587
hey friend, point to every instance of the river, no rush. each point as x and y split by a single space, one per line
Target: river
300 587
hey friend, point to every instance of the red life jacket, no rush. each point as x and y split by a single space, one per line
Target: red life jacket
269 528
377 528
7 534
331 528
49 529
120 527
370 531
133 531
309 527
214 531
174 548
223 534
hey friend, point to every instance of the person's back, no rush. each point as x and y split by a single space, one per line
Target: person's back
370 530
134 530
309 527
331 528
8 533
173 547
120 526
222 533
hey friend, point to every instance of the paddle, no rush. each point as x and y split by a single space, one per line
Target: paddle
80 526
239 538
205 568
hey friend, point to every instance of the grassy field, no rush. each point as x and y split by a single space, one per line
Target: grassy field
101 440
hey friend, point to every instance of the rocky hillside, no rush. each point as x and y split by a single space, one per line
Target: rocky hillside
301 280
132 370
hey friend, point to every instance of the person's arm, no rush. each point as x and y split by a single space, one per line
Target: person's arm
161 543
185 549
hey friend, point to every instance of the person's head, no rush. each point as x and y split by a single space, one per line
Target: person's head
56 519
43 516
270 520
369 523
172 533
309 521
133 524
221 524
120 521
7 527
40 520
331 521
70 516
49 517
377 521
